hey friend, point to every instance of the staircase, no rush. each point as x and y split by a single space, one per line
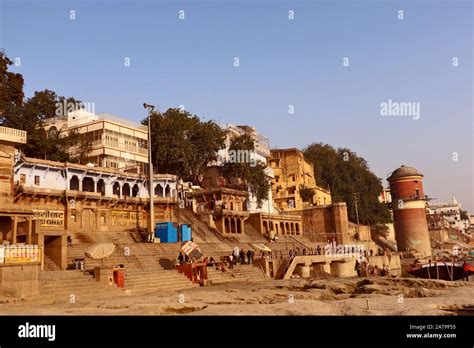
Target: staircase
72 287
240 273
50 265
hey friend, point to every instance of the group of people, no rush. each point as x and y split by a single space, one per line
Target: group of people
240 257
365 269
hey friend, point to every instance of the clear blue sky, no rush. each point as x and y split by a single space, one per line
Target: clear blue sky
282 62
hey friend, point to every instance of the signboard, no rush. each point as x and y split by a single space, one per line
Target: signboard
125 218
49 218
14 254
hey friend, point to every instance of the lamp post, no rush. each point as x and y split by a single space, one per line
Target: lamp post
151 192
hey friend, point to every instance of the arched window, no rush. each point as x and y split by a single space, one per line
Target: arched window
167 191
135 191
74 183
126 190
101 187
116 189
88 184
159 190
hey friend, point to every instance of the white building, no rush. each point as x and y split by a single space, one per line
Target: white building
261 153
116 143
451 212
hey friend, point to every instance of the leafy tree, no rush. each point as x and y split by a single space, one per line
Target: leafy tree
29 116
182 144
307 194
11 88
349 178
246 175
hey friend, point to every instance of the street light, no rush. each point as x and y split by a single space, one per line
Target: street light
151 192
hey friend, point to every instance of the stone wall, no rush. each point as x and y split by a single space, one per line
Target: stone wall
19 280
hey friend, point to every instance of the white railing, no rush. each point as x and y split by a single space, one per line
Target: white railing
13 135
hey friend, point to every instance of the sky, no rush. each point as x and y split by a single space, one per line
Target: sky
284 63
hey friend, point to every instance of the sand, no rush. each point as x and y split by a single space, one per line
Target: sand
334 296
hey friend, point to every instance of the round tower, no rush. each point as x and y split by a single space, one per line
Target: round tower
408 205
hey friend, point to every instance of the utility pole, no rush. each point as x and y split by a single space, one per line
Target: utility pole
178 201
151 210
357 214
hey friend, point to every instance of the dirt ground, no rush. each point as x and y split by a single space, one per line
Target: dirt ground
355 296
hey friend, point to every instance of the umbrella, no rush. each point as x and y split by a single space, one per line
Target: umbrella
100 251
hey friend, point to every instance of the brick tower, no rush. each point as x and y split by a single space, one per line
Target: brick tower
408 204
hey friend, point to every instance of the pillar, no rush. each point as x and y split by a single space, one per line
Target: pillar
14 228
30 228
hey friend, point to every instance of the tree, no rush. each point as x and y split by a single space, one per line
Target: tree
29 116
182 144
307 194
11 88
249 174
349 178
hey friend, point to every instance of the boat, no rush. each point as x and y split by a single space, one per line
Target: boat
445 270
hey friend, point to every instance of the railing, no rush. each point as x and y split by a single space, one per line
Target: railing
119 146
409 198
13 135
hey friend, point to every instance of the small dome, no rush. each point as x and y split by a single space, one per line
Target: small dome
404 171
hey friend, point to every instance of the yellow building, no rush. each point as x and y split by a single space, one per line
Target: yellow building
292 173
116 143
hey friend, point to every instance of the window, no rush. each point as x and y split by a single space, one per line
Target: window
37 180
22 179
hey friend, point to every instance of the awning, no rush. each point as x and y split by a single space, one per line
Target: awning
262 247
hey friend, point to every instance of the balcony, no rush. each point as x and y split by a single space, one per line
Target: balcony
12 136
119 146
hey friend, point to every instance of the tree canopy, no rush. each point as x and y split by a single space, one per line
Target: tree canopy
248 174
29 115
182 144
349 178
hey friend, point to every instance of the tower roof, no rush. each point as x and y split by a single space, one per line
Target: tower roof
404 171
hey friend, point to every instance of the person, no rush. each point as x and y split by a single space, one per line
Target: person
212 262
250 256
180 258
371 252
186 258
383 272
304 251
387 270
231 261
376 271
242 256
465 271
357 267
318 250
389 255
236 255
69 241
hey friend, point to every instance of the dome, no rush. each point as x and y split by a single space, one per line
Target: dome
404 171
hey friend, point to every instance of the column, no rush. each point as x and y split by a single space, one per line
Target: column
14 221
30 228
